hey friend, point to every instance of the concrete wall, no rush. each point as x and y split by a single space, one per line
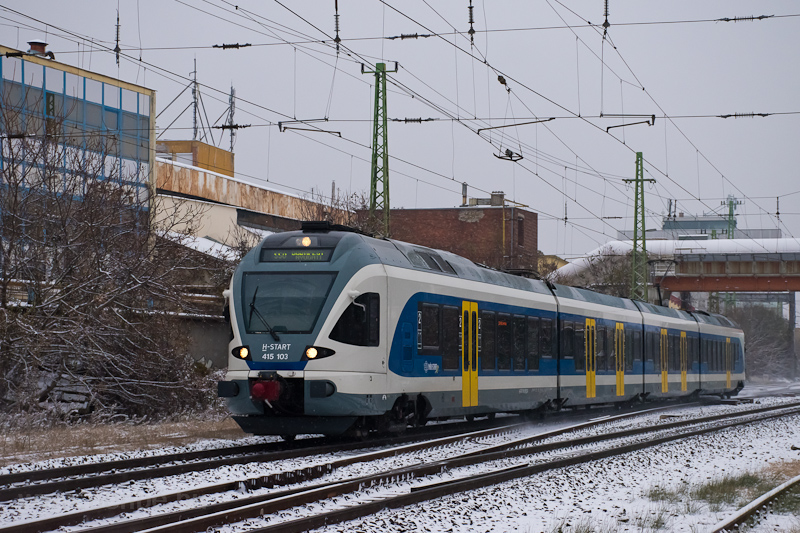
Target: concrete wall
473 232
203 155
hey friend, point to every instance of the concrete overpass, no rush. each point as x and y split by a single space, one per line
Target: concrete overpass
726 265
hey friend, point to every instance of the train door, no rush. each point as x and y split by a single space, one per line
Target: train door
664 357
728 363
591 358
619 349
684 362
469 354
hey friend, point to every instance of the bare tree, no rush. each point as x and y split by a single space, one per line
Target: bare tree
767 338
89 278
606 272
347 209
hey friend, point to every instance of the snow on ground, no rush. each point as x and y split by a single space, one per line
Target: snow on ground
610 495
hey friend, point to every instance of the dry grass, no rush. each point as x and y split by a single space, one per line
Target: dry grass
20 446
785 469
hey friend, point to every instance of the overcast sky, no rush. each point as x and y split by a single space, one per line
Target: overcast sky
659 58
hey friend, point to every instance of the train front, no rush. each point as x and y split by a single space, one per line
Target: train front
304 318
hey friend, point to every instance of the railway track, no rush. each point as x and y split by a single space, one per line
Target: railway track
753 513
209 515
29 483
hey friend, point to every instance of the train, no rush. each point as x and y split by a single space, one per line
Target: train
336 332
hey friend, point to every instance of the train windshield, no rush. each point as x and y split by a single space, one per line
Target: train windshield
285 302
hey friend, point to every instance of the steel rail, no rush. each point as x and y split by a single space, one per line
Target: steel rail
280 479
94 474
282 451
438 490
202 518
756 509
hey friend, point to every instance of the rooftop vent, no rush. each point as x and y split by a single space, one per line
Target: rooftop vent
37 48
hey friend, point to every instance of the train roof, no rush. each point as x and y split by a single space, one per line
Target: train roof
440 261
585 295
406 255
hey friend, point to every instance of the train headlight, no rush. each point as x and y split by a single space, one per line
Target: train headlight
242 352
316 352
306 241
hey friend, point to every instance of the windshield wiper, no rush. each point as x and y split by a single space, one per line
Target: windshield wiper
260 317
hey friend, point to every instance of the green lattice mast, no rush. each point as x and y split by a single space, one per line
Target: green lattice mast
379 183
639 252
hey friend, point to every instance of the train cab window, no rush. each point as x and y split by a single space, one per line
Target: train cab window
451 337
359 324
567 339
488 340
504 345
546 338
602 349
520 346
428 329
532 350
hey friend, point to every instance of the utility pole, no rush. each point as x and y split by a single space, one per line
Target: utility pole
231 110
379 182
732 202
639 252
194 101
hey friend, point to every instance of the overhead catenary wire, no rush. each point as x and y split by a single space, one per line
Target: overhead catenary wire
459 119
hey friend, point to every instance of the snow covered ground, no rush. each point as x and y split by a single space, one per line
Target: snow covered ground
611 495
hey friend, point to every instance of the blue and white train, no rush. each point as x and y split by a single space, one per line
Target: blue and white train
337 332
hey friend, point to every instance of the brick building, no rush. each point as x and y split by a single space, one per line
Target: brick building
487 231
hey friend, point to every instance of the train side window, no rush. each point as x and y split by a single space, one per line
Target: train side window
652 349
704 353
674 353
546 338
533 343
611 345
429 326
359 324
637 345
602 348
567 338
713 355
519 342
628 350
488 340
504 345
451 337
579 345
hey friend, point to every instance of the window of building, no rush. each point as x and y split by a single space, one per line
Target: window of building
521 231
